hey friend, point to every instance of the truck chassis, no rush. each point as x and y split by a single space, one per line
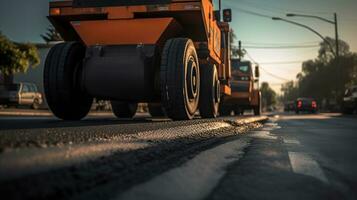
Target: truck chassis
173 54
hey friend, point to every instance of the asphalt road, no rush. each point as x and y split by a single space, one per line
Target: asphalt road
287 157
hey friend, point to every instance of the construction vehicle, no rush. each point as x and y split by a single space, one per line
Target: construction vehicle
245 93
172 54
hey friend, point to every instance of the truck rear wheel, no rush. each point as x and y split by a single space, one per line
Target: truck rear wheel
180 79
258 109
63 94
156 110
210 92
124 109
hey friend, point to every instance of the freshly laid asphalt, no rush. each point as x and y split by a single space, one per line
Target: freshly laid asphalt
285 157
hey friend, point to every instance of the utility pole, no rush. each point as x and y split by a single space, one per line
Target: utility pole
339 72
220 6
239 50
340 87
336 35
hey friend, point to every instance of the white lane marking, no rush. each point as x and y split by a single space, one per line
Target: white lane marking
304 164
263 135
291 141
24 161
34 160
268 129
271 124
193 180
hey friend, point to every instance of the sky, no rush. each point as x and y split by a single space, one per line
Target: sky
25 20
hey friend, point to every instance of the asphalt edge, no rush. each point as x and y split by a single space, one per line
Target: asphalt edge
245 121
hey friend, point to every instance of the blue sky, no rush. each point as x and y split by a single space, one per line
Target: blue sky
25 20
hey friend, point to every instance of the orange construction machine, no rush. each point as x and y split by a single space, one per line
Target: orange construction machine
173 54
245 90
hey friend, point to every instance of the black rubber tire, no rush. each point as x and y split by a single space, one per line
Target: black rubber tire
225 110
64 96
258 109
156 110
210 92
124 109
180 92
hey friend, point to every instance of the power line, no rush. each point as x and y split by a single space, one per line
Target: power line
282 47
267 72
282 62
274 9
273 75
250 57
278 47
280 44
252 12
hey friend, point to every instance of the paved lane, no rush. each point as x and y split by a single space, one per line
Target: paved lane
288 157
308 157
45 158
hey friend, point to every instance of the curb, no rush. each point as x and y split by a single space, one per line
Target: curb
249 120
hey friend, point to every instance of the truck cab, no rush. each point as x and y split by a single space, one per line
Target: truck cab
245 94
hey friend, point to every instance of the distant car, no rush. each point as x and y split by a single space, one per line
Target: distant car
350 100
289 106
20 94
305 105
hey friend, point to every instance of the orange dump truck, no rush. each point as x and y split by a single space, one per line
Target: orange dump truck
245 93
173 54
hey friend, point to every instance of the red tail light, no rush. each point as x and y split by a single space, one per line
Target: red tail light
314 105
299 104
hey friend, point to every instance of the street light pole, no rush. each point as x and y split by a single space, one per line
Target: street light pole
336 37
220 6
337 50
309 28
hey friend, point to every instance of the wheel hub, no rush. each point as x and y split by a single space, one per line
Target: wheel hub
192 79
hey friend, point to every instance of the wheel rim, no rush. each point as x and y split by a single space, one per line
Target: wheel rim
192 84
192 79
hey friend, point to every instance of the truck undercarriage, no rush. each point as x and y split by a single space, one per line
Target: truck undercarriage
171 53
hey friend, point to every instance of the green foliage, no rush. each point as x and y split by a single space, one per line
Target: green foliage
234 49
51 35
269 97
233 37
290 91
325 53
16 57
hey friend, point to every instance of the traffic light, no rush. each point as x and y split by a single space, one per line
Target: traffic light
227 15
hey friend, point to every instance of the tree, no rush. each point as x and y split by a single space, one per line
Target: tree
16 57
51 35
326 54
325 77
268 95
235 51
289 91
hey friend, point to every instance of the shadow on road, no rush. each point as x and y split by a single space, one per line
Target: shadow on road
14 123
